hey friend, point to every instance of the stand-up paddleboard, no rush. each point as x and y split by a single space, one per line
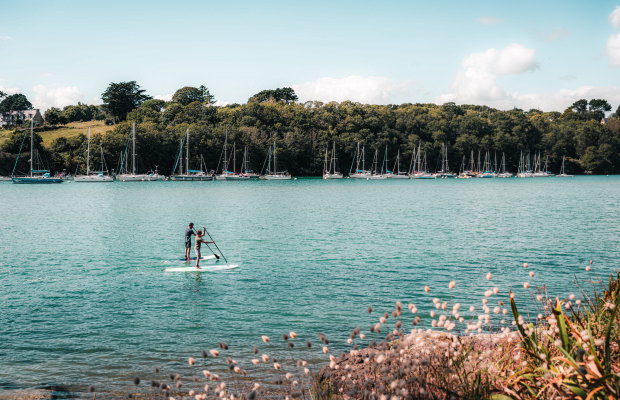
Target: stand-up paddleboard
209 257
203 268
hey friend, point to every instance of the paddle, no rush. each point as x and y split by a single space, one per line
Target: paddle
216 256
209 247
216 246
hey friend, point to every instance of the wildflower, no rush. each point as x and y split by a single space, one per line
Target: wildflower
525 265
362 336
382 320
277 366
288 376
488 293
214 352
599 342
489 276
495 290
432 314
265 357
452 284
531 273
191 361
496 310
472 308
588 268
255 361
369 309
427 289
265 338
577 301
539 297
380 358
292 334
526 285
325 349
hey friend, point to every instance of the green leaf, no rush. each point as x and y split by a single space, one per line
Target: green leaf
499 396
576 389
561 318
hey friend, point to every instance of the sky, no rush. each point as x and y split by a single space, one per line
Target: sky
543 54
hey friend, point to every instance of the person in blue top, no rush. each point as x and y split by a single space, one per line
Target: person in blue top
189 231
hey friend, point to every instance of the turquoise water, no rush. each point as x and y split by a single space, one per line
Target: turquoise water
84 298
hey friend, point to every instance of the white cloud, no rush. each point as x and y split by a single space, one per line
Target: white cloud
613 43
613 50
363 89
560 100
614 17
488 20
165 97
45 98
9 90
5 38
476 82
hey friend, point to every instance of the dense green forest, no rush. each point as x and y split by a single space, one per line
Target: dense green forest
303 130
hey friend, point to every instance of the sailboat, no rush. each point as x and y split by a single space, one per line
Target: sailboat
445 169
487 172
94 176
36 175
398 174
358 158
377 173
329 167
563 173
273 174
502 168
421 172
245 170
542 172
525 170
189 174
127 176
227 175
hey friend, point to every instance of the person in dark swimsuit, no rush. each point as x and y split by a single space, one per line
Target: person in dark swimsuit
189 231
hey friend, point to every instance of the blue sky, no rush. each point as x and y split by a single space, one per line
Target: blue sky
543 54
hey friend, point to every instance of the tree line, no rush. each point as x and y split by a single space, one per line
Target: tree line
303 130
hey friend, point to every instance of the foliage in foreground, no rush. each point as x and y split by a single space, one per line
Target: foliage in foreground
569 350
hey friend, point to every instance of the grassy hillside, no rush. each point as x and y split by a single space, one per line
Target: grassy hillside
70 130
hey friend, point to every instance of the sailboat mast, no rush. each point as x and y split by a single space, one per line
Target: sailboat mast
88 154
133 148
187 151
225 163
275 167
31 143
325 170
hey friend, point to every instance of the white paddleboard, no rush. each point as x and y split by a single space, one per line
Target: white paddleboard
209 257
203 268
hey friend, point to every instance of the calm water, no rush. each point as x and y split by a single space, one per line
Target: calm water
84 298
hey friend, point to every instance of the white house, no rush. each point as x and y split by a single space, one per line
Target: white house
18 117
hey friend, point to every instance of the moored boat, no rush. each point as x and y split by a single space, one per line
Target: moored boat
36 176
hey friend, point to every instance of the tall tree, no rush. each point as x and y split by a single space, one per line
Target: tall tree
580 107
597 108
15 102
189 94
120 98
285 94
